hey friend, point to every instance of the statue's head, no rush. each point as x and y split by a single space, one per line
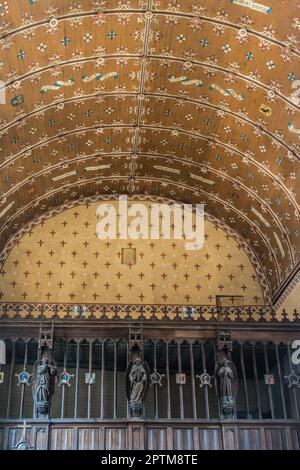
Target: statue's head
45 360
225 362
138 360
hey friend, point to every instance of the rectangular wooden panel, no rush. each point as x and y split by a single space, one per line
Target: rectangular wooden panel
115 439
210 439
249 439
230 438
41 438
276 439
295 438
2 431
16 435
62 439
89 438
183 439
156 439
136 437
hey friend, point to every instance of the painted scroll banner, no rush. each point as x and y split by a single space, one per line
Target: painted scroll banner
279 244
185 81
98 76
253 6
293 129
166 168
258 214
200 178
57 85
65 175
3 212
228 92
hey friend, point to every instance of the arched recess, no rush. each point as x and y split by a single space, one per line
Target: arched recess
239 258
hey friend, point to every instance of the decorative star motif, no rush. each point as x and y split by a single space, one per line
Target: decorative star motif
65 378
292 380
23 377
156 378
205 379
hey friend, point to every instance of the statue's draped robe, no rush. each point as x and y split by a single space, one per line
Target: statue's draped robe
43 382
137 378
226 376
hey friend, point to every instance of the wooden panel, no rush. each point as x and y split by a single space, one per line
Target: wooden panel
62 439
230 441
15 435
89 439
156 439
210 439
295 438
115 439
2 432
41 438
183 439
249 439
136 437
276 439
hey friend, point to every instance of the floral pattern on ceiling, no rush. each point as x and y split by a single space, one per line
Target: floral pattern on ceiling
195 101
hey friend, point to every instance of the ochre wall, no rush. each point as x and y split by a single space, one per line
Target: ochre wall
62 260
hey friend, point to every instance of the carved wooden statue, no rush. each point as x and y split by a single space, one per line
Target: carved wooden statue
137 383
43 382
226 385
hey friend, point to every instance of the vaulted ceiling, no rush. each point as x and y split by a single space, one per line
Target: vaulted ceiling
193 101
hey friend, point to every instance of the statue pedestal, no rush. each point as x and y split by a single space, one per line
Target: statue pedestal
136 410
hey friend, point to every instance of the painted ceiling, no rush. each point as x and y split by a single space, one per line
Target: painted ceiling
187 100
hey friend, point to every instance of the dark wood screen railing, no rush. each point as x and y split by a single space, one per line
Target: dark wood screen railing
89 408
104 361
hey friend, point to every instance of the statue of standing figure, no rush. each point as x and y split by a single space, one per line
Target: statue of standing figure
43 383
226 387
137 383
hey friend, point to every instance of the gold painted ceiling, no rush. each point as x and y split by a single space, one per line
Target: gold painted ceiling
187 100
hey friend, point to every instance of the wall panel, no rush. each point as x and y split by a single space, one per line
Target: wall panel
183 439
210 439
62 439
276 439
156 439
90 439
115 439
249 439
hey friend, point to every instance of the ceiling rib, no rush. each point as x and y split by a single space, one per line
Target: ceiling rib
80 60
8 161
141 95
157 12
132 176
